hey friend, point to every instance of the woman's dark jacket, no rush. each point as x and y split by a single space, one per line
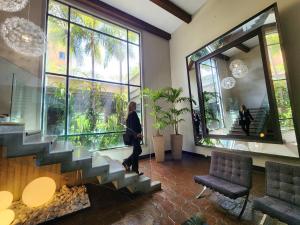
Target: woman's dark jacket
245 117
133 124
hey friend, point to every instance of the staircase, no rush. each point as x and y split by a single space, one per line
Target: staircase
259 115
48 150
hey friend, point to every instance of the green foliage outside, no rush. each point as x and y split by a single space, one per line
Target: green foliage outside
93 108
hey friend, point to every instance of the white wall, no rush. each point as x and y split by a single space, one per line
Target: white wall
214 19
251 89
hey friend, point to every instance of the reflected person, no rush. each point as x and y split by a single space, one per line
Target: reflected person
196 122
245 119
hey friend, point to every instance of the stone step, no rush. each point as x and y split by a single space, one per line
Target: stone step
31 136
99 167
155 186
11 128
62 151
142 185
116 171
81 160
128 179
37 139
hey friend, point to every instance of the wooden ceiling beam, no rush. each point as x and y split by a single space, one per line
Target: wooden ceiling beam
173 9
121 16
243 48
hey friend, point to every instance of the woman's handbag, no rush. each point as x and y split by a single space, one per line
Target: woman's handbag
127 138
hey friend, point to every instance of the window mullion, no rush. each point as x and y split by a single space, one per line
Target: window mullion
68 72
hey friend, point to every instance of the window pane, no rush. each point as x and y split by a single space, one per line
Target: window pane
98 141
96 107
276 62
57 40
272 38
97 24
112 65
133 37
283 100
58 9
134 65
83 51
135 95
55 104
113 30
287 124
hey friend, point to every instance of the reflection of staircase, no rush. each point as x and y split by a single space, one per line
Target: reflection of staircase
48 150
256 126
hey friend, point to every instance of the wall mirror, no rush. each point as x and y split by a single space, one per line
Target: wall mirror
239 83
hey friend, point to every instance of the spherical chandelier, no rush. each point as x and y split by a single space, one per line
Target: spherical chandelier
13 5
23 36
238 68
228 82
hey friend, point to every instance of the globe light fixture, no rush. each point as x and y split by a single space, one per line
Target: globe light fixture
13 5
38 192
6 199
23 36
238 68
7 216
228 82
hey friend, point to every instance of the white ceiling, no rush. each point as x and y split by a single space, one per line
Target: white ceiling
251 43
151 13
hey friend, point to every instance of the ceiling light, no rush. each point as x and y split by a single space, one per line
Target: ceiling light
238 68
12 5
228 83
23 36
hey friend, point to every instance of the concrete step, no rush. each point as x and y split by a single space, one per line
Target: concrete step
128 179
11 128
62 151
99 167
81 159
155 186
116 171
32 136
142 185
37 139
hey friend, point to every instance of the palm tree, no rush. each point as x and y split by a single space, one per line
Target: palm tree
173 96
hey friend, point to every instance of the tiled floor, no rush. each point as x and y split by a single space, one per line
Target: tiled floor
173 205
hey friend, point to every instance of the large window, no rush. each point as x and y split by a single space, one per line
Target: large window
92 71
279 80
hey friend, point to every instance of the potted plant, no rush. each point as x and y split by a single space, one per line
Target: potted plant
174 115
158 140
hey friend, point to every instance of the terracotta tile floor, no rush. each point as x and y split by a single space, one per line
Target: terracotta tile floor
173 205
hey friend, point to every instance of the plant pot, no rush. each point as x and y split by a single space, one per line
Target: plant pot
176 145
159 148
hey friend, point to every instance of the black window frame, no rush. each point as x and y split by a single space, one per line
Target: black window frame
69 76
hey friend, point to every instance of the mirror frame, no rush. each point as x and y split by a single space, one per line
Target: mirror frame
259 32
270 89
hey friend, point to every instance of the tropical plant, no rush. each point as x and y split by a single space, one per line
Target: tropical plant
157 112
175 113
